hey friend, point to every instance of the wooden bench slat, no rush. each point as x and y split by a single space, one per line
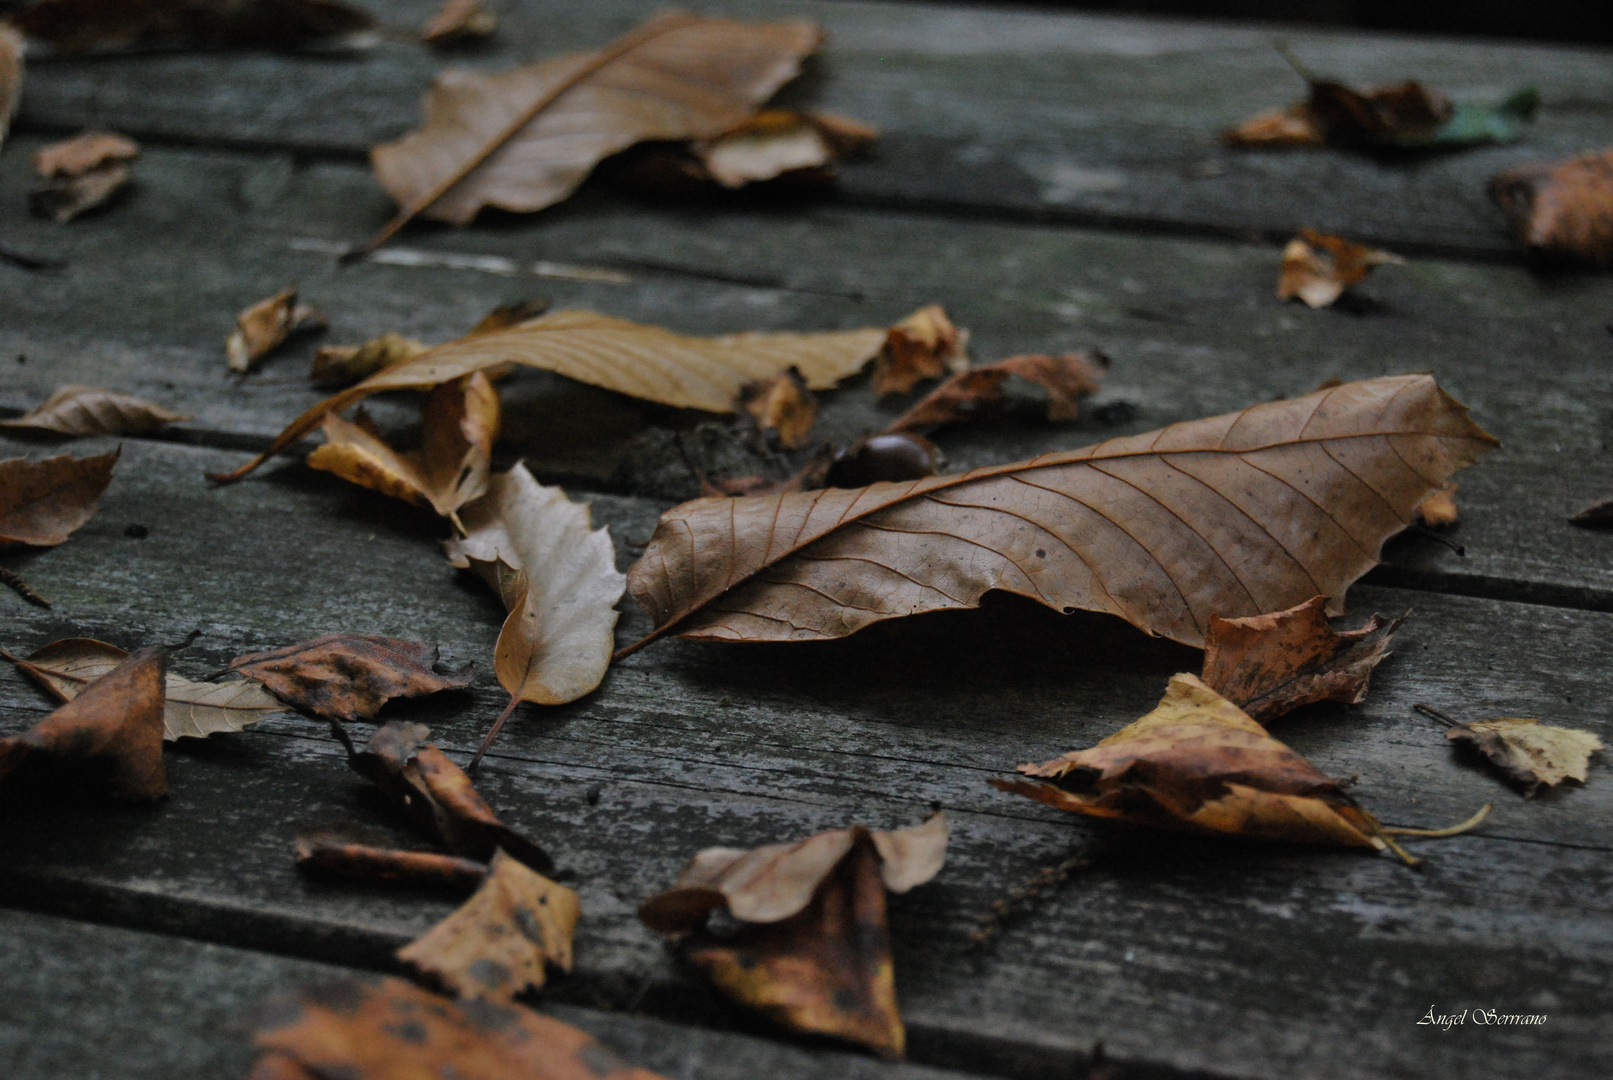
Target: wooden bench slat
1075 117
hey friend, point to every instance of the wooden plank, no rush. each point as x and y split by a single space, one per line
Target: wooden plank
1183 954
1192 327
1047 115
85 1000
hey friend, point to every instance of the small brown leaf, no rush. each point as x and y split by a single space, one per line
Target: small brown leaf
1562 209
459 20
387 1029
1066 379
82 173
43 502
1438 511
344 365
1269 665
350 852
439 796
782 405
1317 267
1529 753
775 142
525 139
460 422
84 153
11 70
814 953
117 718
89 410
925 345
558 580
1199 763
76 26
1296 125
266 325
349 676
500 941
190 709
1598 515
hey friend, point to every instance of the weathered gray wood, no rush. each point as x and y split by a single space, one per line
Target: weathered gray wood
1048 115
1192 326
1179 953
99 1001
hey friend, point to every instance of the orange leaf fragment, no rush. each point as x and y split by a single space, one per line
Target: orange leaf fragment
266 325
1439 509
1318 267
349 676
386 1029
345 851
782 405
1271 664
1066 380
813 952
1199 763
118 718
42 503
1562 209
925 345
499 942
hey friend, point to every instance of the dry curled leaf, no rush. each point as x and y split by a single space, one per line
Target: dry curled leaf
265 326
352 852
11 71
1199 763
1065 380
1269 665
344 365
782 405
82 173
1317 267
1232 515
89 410
190 709
643 361
524 139
500 942
459 423
43 502
77 26
813 950
459 20
438 795
925 345
117 719
1562 209
775 143
349 676
1438 511
386 1029
1528 753
558 580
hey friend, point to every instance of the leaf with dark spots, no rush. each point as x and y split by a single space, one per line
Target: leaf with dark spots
43 502
500 942
439 796
386 1029
813 950
349 852
116 720
1268 665
349 676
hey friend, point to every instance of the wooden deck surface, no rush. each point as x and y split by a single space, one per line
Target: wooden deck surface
1055 181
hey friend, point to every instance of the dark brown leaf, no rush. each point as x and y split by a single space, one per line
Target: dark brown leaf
349 676
43 502
439 796
117 719
1269 665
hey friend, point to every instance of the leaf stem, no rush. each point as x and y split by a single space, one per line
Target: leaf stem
1453 830
1429 710
492 733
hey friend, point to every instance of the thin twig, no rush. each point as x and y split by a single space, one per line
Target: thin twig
492 733
30 262
22 588
1429 710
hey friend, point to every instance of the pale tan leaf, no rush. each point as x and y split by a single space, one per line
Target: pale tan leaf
1317 267
1528 752
89 410
460 424
500 941
557 577
644 361
265 325
524 139
11 71
1234 515
191 709
769 144
1439 510
84 153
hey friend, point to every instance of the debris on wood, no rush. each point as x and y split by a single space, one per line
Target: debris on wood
782 407
351 852
338 366
1439 511
1318 268
1065 380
